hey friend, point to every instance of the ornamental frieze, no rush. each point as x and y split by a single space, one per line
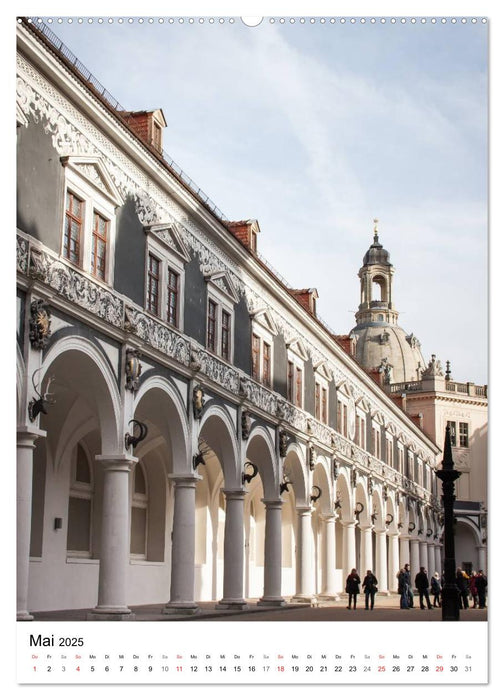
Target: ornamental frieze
22 254
219 372
158 335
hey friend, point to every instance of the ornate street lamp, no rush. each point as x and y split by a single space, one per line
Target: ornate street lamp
450 609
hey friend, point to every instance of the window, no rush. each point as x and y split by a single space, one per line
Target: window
400 458
73 228
80 505
453 432
360 430
261 360
153 285
139 513
91 199
342 418
295 384
166 257
212 325
389 449
320 401
173 297
226 335
99 246
376 441
464 434
220 315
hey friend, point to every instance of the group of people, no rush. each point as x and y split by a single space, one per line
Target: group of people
476 585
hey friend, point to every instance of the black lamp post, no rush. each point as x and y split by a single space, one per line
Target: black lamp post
450 609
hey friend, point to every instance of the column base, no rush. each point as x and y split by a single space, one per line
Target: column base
232 605
24 616
383 593
329 596
272 601
311 599
110 614
181 608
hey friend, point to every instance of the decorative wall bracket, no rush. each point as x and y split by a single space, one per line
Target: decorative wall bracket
40 324
37 406
198 401
133 369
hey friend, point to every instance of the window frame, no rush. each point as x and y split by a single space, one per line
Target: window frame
298 388
101 199
168 262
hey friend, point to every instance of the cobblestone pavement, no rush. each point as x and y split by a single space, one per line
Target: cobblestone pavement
386 609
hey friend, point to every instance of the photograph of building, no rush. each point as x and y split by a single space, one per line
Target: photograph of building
189 428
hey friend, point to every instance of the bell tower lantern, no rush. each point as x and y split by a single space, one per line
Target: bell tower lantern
376 286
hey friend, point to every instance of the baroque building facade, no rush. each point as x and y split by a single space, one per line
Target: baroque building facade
188 428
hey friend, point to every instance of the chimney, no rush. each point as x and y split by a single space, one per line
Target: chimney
307 298
246 232
148 126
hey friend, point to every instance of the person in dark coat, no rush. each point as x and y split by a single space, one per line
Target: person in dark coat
402 589
407 583
435 590
462 581
473 590
352 588
422 585
370 586
481 585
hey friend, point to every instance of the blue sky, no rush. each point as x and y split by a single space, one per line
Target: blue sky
316 129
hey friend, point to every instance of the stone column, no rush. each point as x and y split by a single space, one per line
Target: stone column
431 567
404 551
366 550
273 554
304 563
183 546
393 562
234 552
348 548
437 559
415 559
26 438
482 558
329 559
381 561
424 560
115 537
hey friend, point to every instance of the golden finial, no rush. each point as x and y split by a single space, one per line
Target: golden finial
375 221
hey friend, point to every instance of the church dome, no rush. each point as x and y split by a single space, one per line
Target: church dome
376 254
388 347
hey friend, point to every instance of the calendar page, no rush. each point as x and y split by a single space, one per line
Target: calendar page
251 365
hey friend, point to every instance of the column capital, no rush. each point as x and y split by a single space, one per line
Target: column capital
234 494
185 479
272 503
348 523
119 462
304 510
27 434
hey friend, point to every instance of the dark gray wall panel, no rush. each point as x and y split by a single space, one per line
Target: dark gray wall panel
129 275
332 405
242 336
280 365
40 184
195 302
